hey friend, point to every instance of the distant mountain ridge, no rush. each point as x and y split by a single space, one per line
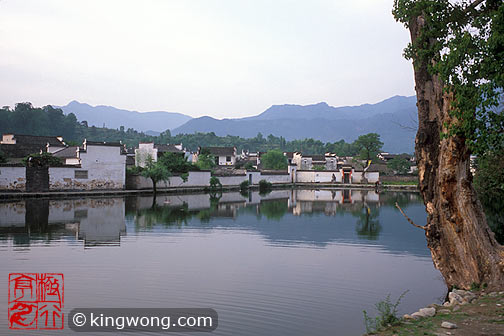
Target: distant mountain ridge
395 119
152 122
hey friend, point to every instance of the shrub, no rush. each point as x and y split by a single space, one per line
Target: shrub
135 170
215 183
264 186
42 160
387 315
244 185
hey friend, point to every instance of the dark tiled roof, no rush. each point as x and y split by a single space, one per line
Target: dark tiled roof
220 151
104 143
37 140
316 157
289 155
67 153
378 167
167 148
21 150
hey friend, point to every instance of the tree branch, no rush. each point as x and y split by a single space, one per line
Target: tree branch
409 220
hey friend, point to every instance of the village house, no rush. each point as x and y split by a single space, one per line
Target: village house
224 156
17 146
152 151
92 166
328 161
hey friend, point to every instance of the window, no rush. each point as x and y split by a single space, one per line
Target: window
228 158
81 174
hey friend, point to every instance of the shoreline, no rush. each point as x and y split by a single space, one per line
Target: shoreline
466 313
5 195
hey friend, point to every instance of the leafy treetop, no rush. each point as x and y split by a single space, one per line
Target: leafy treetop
463 44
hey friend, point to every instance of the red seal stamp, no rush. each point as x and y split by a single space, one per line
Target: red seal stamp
36 300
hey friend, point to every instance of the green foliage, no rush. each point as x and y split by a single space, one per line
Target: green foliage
156 171
463 45
215 183
369 145
264 186
176 163
248 166
274 159
274 209
319 167
206 161
164 215
26 119
399 165
135 170
3 158
42 160
387 314
244 185
489 183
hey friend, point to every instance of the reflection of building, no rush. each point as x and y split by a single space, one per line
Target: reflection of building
96 221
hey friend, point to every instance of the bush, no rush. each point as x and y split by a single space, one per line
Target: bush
42 160
264 186
135 170
387 315
244 185
215 183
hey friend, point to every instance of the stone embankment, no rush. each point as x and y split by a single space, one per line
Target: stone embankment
466 313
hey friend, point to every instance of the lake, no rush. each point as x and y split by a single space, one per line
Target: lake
292 262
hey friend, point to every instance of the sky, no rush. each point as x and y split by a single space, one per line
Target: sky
222 58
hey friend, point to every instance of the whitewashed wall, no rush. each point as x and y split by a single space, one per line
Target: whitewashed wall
275 179
13 178
195 179
106 167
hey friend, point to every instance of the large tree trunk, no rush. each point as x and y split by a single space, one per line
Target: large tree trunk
462 245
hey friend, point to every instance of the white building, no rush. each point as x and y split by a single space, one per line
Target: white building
224 156
149 150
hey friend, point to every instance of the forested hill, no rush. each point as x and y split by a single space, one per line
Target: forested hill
395 119
26 119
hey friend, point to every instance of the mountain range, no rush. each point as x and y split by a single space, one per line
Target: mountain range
151 123
395 119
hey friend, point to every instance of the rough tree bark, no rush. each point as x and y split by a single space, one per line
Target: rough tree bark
462 245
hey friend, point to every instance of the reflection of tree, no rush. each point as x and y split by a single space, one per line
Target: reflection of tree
274 209
205 215
166 215
402 198
368 225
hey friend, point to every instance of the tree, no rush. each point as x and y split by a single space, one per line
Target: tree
369 145
176 163
156 171
457 53
43 159
3 157
399 165
206 160
274 159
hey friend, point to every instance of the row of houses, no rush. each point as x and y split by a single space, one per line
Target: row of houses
102 165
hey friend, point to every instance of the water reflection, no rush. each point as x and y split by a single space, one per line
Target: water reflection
296 262
337 216
94 221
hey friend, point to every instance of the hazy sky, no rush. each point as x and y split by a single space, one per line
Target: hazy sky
223 58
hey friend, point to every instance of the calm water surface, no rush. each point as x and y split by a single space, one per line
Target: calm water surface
293 262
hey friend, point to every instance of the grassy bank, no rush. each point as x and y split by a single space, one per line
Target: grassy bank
483 316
